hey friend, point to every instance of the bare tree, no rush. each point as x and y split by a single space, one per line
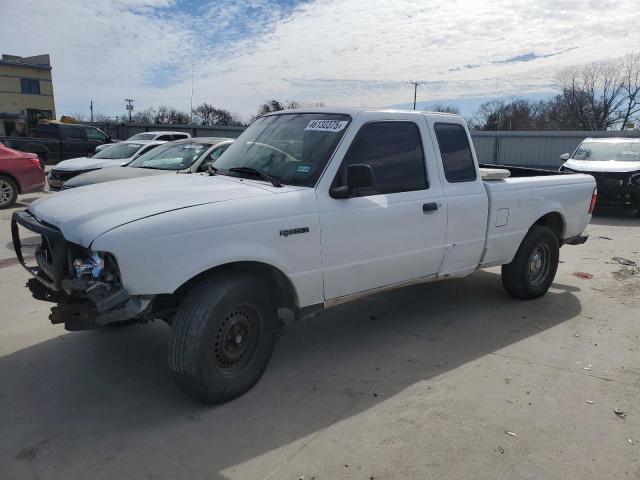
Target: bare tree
593 93
276 106
631 88
516 114
206 114
166 114
144 116
79 116
441 107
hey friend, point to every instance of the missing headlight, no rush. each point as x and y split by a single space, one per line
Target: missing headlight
99 266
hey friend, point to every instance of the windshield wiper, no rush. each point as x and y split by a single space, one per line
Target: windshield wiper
259 173
211 170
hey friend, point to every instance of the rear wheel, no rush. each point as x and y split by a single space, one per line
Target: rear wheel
534 266
223 336
8 192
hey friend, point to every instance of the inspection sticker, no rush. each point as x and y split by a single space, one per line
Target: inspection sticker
326 125
303 169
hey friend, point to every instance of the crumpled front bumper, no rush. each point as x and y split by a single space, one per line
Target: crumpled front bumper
80 304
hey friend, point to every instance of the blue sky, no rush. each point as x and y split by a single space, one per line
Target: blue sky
339 52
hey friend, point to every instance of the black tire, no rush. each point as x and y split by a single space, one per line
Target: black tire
222 336
534 266
8 191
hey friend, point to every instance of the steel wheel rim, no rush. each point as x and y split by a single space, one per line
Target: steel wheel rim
6 192
236 340
539 265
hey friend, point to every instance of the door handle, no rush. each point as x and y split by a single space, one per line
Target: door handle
430 207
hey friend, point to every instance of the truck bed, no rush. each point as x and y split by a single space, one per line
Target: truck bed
528 194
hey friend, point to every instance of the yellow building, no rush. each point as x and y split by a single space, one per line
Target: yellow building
26 93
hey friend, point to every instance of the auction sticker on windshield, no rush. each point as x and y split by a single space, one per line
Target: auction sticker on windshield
326 125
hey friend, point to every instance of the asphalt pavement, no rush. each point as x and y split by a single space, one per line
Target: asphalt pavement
453 380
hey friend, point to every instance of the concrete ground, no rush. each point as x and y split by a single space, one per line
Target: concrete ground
420 383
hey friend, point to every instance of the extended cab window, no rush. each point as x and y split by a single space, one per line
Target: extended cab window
394 151
46 131
72 133
455 152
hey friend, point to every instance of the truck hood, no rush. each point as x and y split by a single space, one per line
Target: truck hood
88 163
82 214
612 166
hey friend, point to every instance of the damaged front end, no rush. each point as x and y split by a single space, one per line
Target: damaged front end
85 285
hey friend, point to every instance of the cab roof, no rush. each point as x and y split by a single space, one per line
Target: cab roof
613 140
353 112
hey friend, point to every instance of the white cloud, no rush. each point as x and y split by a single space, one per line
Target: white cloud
356 52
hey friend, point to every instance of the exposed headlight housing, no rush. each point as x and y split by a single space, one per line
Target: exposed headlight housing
98 266
88 268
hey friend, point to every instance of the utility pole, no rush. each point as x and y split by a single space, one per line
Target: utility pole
91 108
129 106
193 74
415 92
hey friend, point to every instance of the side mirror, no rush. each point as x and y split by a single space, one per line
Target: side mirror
565 156
358 176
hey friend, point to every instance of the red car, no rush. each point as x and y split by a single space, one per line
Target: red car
20 173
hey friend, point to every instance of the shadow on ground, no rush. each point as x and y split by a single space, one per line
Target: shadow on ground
614 217
109 393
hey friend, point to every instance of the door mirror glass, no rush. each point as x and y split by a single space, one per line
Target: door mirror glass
358 176
565 156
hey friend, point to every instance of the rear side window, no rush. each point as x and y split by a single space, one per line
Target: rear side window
46 131
456 152
394 151
166 138
72 133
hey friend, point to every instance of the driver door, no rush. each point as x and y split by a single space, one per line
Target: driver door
390 233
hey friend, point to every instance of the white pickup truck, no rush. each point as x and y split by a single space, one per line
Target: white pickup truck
307 209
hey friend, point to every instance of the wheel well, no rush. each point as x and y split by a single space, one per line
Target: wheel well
553 221
14 179
279 284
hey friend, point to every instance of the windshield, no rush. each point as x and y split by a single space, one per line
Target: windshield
597 151
143 136
293 148
174 156
118 151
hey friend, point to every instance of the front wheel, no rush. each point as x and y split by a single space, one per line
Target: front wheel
223 336
534 266
8 192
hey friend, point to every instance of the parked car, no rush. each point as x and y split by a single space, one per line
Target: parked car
182 156
54 142
157 135
615 164
307 209
20 173
114 156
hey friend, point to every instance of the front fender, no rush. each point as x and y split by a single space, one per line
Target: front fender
158 254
